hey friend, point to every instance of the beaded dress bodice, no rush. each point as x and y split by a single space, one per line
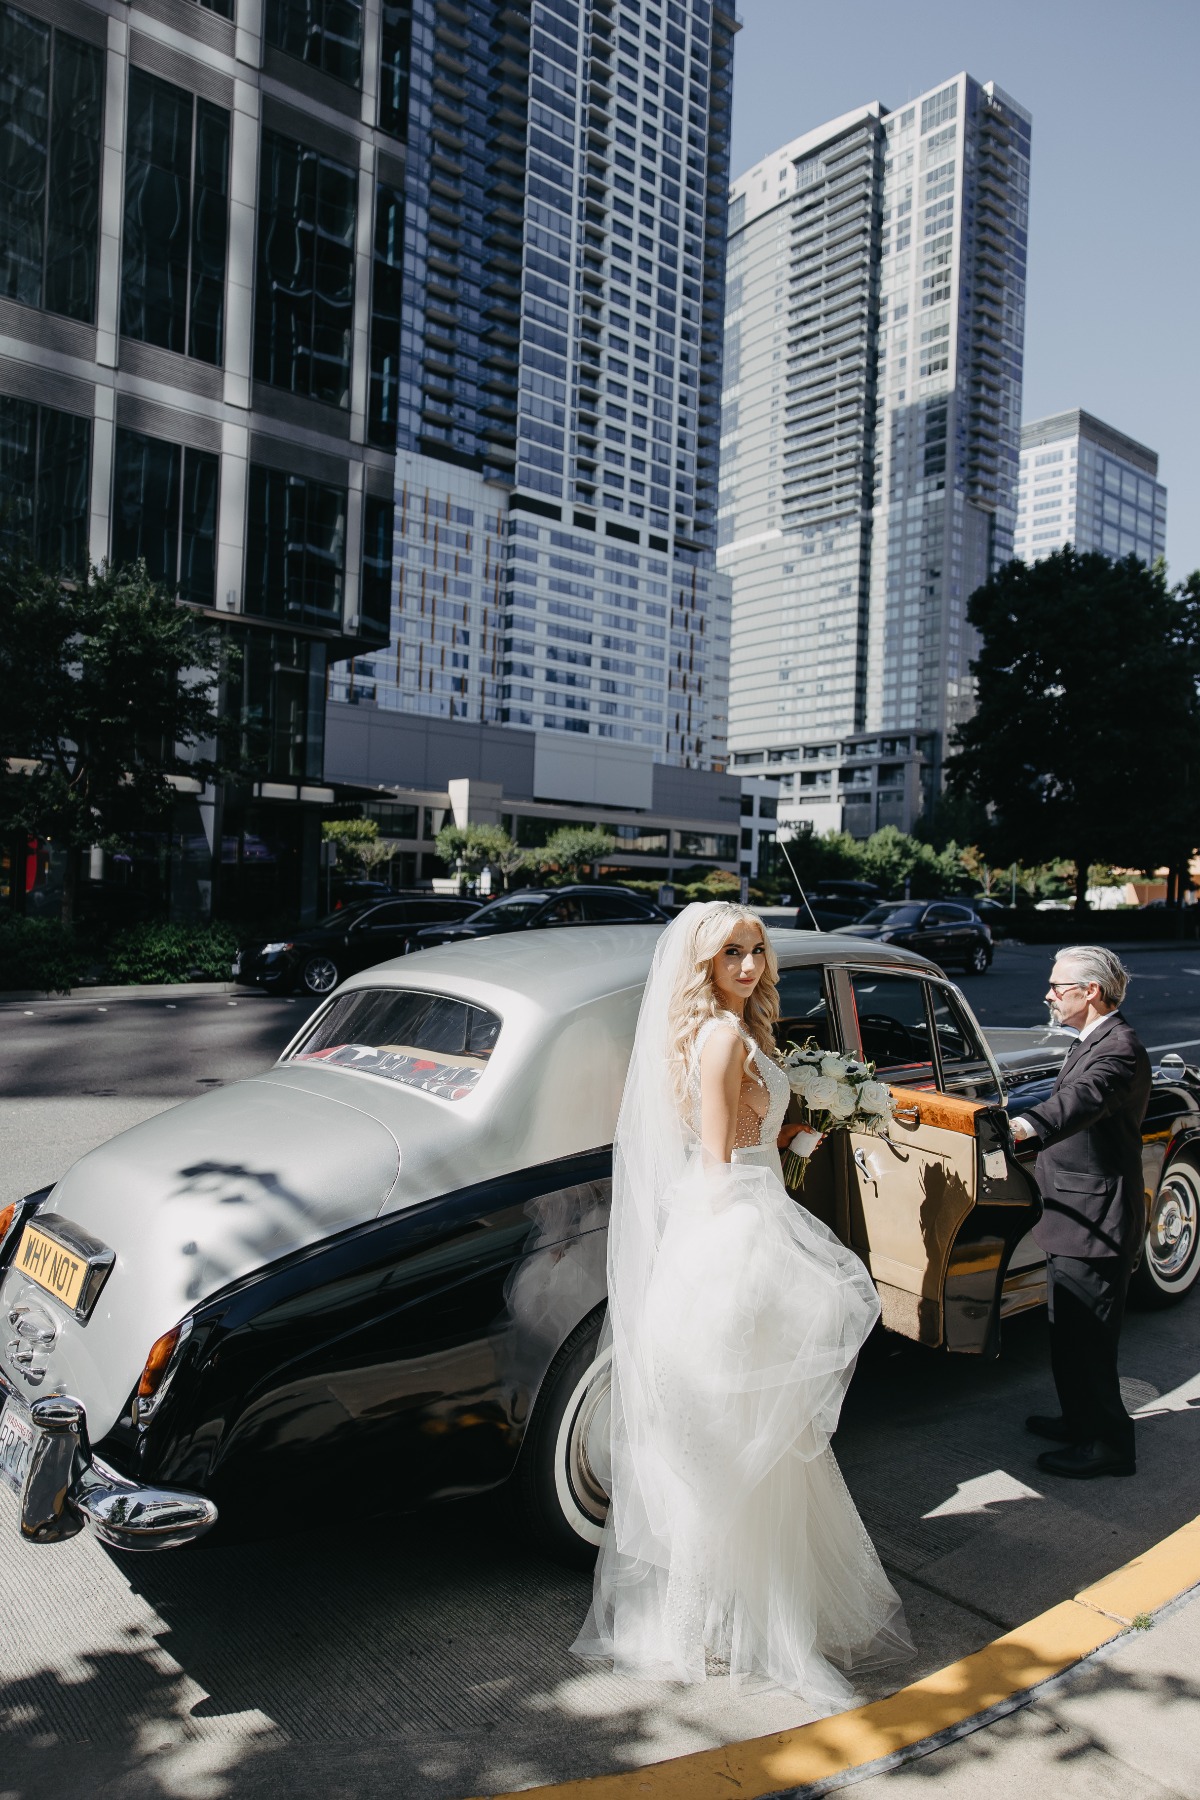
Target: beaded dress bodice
764 1094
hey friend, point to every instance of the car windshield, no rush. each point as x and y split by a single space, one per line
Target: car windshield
427 1041
892 915
510 912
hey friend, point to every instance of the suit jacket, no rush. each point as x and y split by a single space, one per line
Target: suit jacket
1089 1168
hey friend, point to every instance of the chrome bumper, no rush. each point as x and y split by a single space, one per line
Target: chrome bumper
67 1488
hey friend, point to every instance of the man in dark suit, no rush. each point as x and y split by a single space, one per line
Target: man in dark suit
1089 1171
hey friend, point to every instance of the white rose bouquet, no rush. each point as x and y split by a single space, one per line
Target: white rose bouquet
834 1093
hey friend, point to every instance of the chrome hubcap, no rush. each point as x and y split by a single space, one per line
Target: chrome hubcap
1172 1236
320 975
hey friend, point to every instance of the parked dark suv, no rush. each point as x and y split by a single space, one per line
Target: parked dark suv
531 909
949 932
316 957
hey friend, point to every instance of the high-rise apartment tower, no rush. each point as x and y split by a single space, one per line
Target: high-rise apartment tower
557 374
1086 484
875 332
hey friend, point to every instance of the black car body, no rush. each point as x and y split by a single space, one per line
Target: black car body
949 932
316 957
534 909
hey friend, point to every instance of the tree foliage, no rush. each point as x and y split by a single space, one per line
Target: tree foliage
574 850
359 844
1084 743
109 691
479 847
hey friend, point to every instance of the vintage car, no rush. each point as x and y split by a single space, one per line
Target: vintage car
385 1256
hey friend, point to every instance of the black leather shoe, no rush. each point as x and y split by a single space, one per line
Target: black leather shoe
1057 1430
1080 1462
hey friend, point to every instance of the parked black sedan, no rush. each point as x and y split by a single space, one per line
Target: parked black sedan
316 957
949 932
531 909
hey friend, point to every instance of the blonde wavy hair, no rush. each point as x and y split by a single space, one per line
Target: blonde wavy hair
695 998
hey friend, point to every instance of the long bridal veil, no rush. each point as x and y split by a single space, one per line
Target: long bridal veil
735 1320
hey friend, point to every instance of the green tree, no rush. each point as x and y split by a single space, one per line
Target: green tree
1084 741
574 850
360 847
479 847
109 692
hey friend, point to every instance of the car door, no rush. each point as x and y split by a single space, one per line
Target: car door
935 937
936 1207
379 934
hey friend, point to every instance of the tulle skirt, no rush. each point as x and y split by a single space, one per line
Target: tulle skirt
733 1542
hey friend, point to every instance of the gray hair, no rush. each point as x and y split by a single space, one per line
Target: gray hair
1091 962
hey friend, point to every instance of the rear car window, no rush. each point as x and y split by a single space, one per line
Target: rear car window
427 1041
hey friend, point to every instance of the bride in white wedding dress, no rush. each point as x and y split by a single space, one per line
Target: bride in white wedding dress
735 1317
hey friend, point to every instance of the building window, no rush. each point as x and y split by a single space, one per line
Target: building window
325 34
52 106
277 695
395 64
165 513
295 548
386 287
45 464
378 521
176 219
305 301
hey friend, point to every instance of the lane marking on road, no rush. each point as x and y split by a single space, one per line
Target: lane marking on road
1002 1677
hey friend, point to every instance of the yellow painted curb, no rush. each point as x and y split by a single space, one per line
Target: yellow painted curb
1002 1670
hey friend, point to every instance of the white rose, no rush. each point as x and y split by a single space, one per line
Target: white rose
821 1094
801 1080
875 1097
845 1102
832 1066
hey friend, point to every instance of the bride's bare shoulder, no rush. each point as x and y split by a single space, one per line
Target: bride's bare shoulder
722 1049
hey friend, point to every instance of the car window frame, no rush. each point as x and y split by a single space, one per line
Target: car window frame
837 1033
848 970
292 1053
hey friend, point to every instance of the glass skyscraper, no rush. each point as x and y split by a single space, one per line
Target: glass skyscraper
1086 484
875 338
389 333
557 374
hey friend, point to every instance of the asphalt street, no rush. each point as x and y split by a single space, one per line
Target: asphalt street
428 1656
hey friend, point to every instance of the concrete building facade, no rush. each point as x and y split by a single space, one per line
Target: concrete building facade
1086 484
876 288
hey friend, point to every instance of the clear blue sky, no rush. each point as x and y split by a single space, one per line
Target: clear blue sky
1113 310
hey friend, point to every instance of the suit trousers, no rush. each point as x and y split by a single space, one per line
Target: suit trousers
1086 1304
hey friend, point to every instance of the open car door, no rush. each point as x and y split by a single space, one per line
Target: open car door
937 1207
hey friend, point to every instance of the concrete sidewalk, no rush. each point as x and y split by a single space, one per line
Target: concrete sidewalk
1125 1722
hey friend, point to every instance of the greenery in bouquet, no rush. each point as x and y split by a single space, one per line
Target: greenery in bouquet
833 1093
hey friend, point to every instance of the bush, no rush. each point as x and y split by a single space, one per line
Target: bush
169 953
39 953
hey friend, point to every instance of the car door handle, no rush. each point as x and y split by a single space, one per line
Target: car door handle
860 1163
908 1115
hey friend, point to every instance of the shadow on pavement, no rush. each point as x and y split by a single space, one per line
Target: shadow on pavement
427 1657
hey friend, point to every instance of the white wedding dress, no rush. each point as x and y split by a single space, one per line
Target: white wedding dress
736 1317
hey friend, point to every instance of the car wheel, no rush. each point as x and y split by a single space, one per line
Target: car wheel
978 962
320 974
1170 1264
562 1475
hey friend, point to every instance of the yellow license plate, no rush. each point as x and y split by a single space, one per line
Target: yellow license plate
57 1270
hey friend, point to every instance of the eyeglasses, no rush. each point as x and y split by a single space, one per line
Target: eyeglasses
1060 987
